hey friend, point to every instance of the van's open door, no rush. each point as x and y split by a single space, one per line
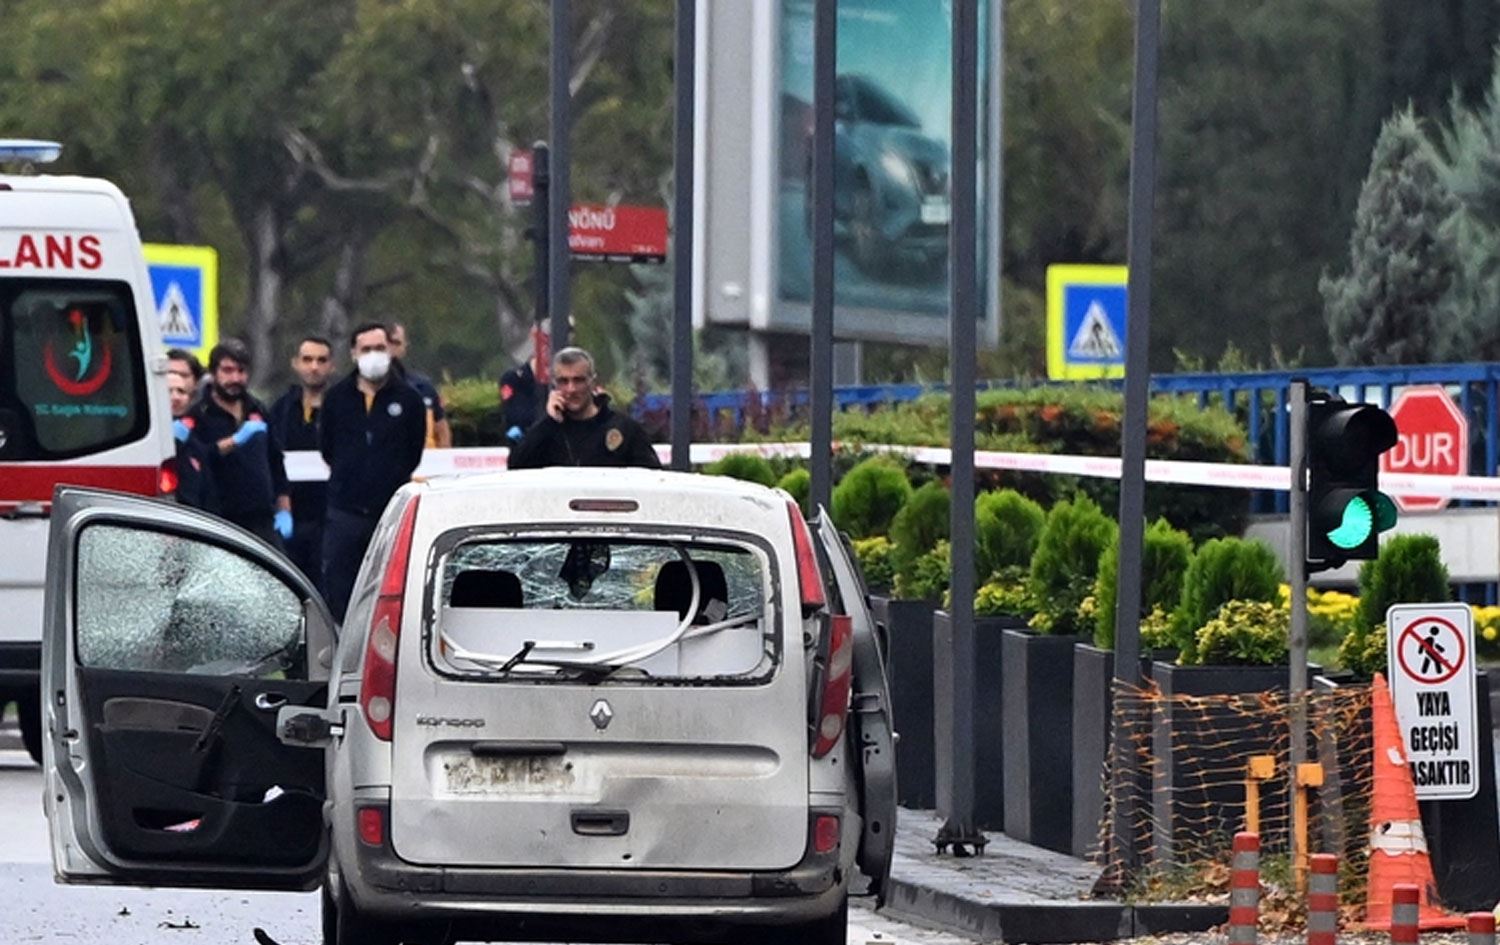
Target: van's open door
171 640
871 731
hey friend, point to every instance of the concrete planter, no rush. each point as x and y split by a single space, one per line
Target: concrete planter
1038 737
988 747
908 631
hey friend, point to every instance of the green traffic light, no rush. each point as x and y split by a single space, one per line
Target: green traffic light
1357 525
1385 512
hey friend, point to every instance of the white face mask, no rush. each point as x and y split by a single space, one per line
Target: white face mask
374 365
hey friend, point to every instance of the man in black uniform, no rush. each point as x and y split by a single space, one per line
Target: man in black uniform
245 464
579 428
371 432
521 399
195 487
294 426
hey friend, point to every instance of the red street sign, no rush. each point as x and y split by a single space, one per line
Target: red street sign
519 177
618 234
1432 438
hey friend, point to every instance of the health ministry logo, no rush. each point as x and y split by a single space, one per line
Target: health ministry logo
90 369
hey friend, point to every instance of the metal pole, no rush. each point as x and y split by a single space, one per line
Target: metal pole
1137 404
541 186
825 65
683 76
1296 565
957 809
560 197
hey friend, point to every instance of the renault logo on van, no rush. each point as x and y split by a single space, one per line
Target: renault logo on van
601 714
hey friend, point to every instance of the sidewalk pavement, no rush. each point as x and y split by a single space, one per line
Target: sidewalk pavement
1016 892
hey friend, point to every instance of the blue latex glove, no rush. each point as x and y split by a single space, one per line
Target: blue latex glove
180 431
248 431
515 433
283 521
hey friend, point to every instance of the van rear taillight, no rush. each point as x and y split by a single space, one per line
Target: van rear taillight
809 578
838 677
377 690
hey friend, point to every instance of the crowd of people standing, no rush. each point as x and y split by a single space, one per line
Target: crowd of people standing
371 427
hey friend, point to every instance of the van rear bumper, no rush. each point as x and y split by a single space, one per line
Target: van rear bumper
20 666
382 883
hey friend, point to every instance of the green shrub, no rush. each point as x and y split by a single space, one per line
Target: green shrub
746 466
1156 631
798 484
1223 570
1243 633
876 561
925 577
1004 594
921 523
1408 570
1066 563
869 496
472 405
1165 553
1007 526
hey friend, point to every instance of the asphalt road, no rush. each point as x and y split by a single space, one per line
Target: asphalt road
34 909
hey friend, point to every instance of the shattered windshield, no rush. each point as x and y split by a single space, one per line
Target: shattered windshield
621 608
153 601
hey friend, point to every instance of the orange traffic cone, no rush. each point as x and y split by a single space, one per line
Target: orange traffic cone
1398 848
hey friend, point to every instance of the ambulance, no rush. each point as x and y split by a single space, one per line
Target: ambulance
82 401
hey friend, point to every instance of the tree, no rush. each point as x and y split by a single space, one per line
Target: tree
1388 307
1468 162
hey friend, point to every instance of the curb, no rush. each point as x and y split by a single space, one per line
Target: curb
1046 923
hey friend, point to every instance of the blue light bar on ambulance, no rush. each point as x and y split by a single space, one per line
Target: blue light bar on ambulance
29 151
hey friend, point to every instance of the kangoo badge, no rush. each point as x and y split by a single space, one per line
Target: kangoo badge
613 439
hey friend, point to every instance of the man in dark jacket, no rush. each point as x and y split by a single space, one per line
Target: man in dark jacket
294 426
371 432
195 485
522 394
246 466
578 427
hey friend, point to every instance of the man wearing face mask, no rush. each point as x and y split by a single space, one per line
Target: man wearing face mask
245 464
578 427
371 432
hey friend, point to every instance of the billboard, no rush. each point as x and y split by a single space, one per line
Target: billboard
891 176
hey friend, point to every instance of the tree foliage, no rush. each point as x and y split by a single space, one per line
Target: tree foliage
1388 308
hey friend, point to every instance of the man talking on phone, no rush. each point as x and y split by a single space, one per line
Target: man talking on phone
578 427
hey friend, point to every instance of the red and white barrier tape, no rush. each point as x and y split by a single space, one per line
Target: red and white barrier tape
308 467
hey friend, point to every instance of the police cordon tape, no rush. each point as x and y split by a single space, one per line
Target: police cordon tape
309 467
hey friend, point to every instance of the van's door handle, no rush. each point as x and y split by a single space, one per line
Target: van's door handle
601 823
269 701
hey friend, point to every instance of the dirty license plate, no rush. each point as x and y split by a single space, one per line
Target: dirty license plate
519 775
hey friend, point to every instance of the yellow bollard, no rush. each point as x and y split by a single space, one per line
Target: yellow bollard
1260 768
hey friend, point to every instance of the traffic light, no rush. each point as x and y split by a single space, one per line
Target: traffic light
1346 511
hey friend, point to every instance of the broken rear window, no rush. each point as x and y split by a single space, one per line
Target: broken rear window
604 607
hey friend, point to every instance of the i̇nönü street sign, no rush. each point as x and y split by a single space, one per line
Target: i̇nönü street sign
1430 650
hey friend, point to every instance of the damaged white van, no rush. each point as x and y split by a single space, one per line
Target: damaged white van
566 704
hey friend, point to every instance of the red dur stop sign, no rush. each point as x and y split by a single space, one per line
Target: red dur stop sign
1432 439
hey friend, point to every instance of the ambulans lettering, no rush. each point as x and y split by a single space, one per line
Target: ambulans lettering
53 252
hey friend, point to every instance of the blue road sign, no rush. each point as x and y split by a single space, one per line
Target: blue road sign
1086 309
184 286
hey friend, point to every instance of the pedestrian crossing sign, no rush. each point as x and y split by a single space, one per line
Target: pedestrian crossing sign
185 290
1086 309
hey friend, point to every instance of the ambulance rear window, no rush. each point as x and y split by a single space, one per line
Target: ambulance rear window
72 378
